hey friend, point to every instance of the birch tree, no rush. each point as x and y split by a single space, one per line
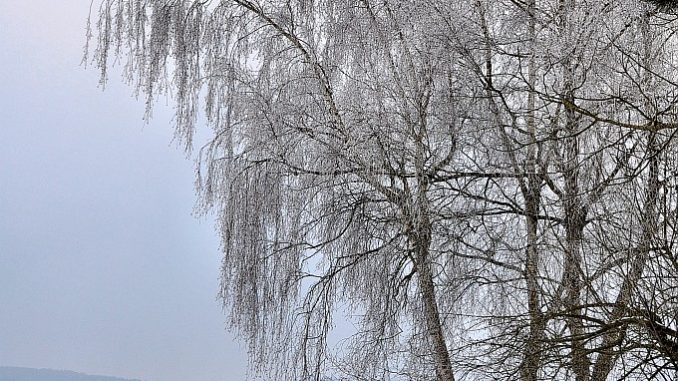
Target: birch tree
482 188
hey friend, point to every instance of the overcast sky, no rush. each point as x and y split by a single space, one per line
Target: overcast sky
103 269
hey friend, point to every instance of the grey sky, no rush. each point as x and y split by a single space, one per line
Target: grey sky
103 269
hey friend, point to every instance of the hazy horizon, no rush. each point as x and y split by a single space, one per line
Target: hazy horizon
14 373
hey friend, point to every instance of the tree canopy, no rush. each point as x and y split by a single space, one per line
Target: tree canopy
479 189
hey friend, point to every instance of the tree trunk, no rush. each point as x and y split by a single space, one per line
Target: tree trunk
441 355
421 243
532 194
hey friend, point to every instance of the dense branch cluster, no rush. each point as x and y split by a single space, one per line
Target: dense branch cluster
665 5
420 190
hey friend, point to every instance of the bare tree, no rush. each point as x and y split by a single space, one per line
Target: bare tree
481 187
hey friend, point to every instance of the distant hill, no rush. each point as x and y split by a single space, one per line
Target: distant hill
8 373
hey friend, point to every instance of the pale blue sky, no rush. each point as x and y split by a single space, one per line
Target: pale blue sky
103 269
